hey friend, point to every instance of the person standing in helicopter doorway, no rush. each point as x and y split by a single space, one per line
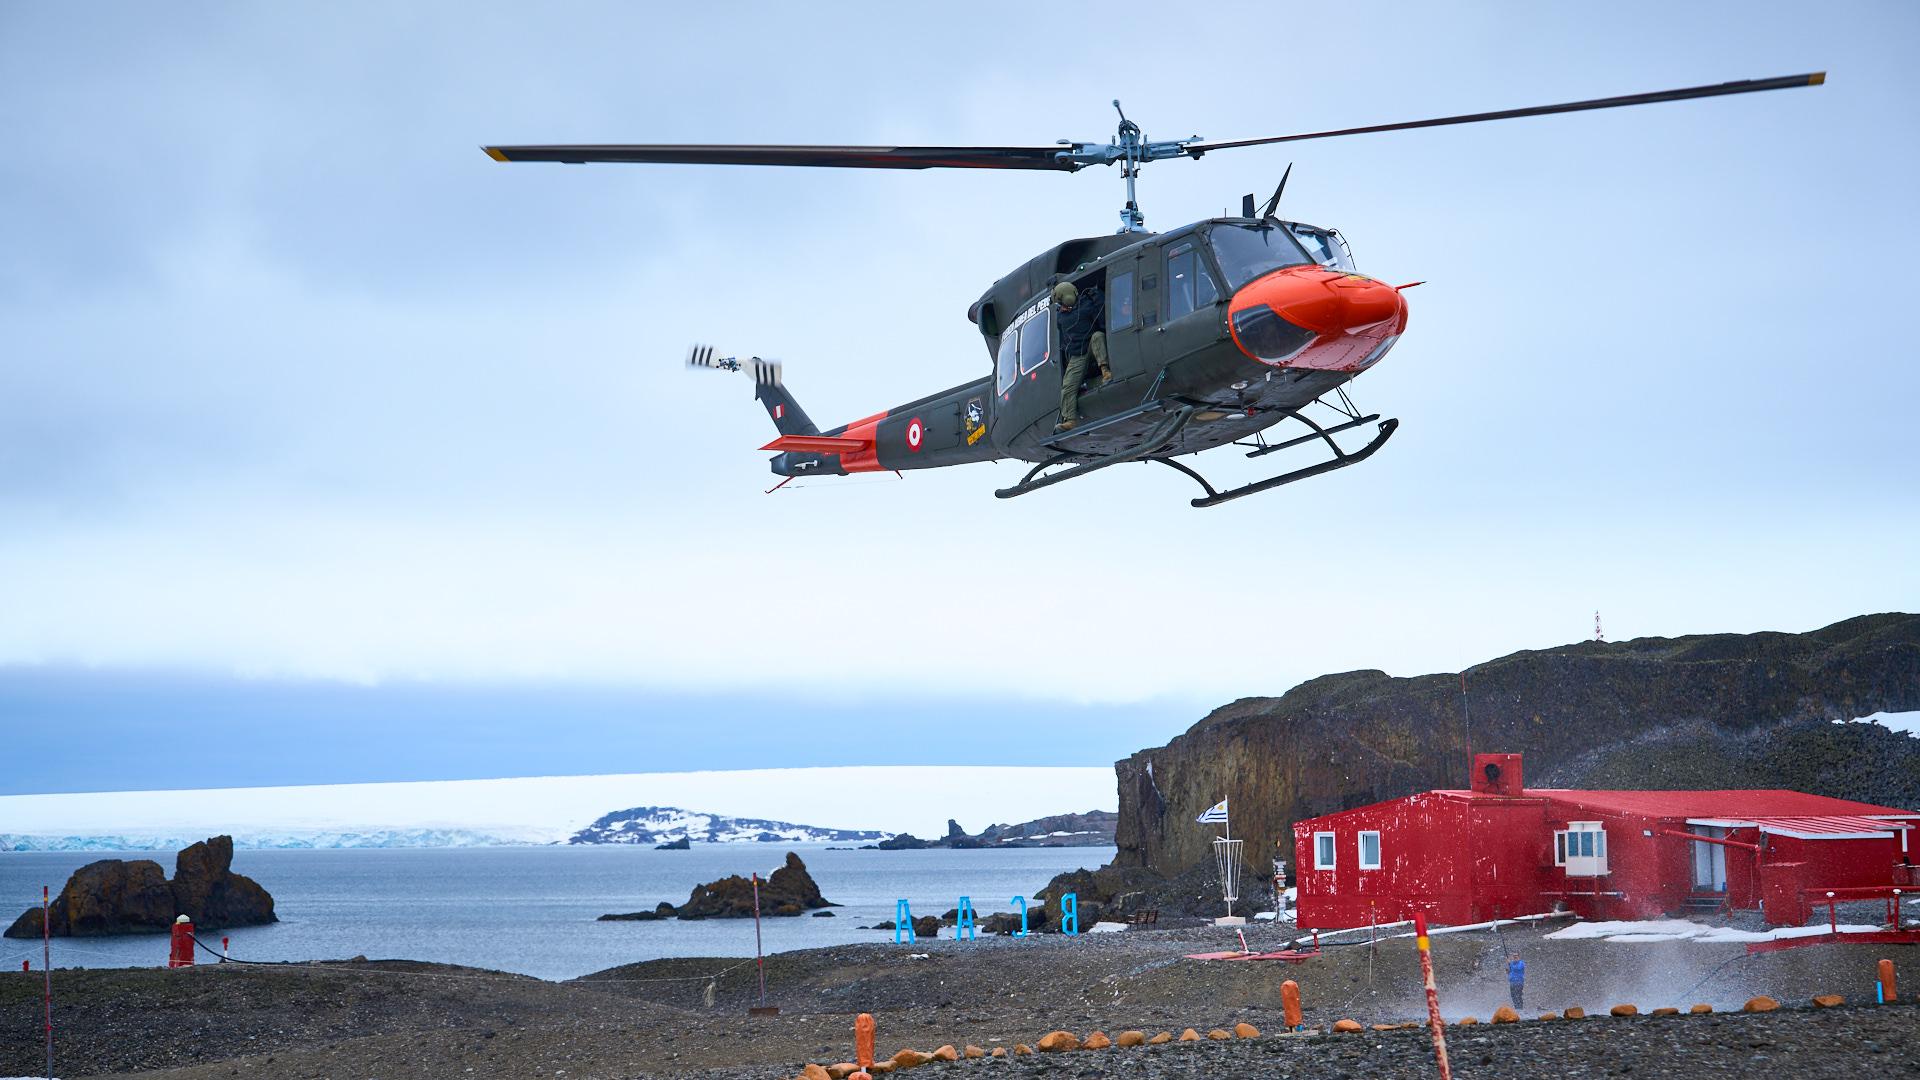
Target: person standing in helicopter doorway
1517 980
1080 337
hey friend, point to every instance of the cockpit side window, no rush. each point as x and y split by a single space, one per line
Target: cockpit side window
1326 247
1120 301
1189 286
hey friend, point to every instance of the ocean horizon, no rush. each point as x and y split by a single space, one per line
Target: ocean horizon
534 910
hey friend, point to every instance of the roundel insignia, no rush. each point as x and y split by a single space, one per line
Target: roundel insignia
916 433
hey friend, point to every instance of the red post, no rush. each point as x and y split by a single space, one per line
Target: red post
46 953
181 954
1833 920
1433 996
1889 990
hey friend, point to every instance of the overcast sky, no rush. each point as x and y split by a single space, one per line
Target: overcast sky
317 426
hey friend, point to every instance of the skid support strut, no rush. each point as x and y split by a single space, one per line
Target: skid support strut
1162 434
1340 460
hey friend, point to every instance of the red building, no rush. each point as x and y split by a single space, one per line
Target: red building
1501 849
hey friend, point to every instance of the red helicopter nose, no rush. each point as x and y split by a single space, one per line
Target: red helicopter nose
1309 316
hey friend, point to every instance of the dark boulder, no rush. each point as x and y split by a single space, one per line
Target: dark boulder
683 844
120 896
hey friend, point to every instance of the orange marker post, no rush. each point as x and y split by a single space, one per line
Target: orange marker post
1433 996
1889 990
1290 1004
863 1042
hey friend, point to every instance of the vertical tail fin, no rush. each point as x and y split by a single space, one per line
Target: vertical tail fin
787 415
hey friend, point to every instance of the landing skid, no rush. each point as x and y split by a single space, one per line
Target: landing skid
1340 460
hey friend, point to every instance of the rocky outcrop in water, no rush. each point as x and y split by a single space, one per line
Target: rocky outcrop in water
1708 711
789 890
120 896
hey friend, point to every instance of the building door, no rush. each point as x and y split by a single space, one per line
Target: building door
1709 860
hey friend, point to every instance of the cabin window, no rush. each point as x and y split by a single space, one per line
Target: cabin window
1248 251
1323 851
1369 851
1033 340
1189 285
1560 848
1008 367
1120 301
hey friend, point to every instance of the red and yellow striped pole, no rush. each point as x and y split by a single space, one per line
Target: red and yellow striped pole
1433 997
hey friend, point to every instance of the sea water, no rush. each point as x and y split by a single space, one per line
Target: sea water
533 910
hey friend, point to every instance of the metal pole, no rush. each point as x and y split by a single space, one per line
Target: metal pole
46 970
1433 996
758 959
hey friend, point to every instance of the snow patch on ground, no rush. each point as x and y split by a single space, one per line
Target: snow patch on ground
1685 930
1908 722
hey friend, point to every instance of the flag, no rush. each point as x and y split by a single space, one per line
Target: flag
1217 813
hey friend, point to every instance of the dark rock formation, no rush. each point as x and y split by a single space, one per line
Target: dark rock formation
663 911
682 844
906 841
924 926
1711 711
1091 829
117 896
789 890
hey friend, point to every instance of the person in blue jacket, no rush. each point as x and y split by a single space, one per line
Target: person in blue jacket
1517 980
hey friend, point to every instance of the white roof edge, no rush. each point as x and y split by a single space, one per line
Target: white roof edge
1797 835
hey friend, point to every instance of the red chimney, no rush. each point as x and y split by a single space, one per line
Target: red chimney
1496 774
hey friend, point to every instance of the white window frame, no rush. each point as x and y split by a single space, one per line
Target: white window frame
1330 848
1582 863
1560 847
1360 846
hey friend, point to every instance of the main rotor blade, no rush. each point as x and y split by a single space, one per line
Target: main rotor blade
1744 86
832 157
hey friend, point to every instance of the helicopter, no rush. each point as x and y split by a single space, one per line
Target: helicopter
1214 332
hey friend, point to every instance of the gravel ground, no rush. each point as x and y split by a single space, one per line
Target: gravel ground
396 1020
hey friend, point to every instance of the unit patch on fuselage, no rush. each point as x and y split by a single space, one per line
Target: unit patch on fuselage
974 417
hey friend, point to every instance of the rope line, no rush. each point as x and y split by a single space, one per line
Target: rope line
499 977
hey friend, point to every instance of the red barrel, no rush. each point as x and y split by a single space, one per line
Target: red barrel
182 953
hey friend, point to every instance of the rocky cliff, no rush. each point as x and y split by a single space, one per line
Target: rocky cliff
118 896
1721 710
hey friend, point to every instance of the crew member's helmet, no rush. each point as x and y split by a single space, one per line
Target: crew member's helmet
1065 294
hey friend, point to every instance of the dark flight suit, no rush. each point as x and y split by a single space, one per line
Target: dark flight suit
1081 336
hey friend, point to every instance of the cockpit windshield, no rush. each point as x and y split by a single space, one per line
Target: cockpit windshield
1327 247
1248 251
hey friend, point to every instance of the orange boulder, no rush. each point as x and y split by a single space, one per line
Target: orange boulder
1131 1038
1059 1042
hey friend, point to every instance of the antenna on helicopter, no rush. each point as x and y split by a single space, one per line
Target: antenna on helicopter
1274 203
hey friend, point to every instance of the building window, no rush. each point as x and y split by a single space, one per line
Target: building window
1369 851
1323 851
1581 848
